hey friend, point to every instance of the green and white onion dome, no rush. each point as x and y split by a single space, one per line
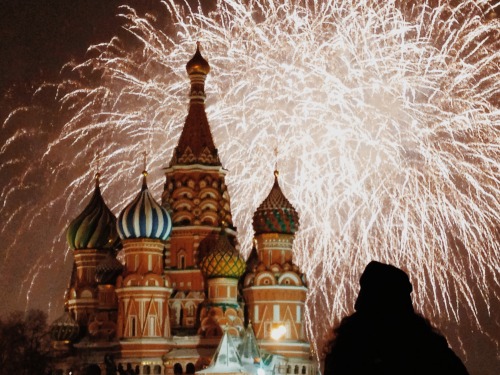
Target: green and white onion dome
95 227
275 214
144 217
64 328
223 260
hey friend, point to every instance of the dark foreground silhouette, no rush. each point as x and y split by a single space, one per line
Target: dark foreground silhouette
385 336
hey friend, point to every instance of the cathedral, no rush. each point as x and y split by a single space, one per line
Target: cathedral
183 300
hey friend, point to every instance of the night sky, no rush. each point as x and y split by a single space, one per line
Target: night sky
37 37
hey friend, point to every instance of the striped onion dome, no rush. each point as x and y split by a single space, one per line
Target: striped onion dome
223 260
95 227
144 217
64 328
275 214
108 270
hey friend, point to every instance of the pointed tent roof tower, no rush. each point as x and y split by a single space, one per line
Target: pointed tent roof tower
196 144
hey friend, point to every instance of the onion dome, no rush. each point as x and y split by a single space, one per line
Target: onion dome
108 270
144 217
65 328
275 214
197 64
223 261
95 227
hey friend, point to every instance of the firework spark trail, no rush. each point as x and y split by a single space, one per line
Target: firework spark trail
387 123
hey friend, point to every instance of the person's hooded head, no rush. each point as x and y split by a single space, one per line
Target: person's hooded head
385 289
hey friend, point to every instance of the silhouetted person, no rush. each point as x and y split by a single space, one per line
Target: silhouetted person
385 336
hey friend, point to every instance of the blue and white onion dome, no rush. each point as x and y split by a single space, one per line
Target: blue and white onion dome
144 217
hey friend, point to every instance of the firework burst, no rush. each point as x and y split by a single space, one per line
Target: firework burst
385 117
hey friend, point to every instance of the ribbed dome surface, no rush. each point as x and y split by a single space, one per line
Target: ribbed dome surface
223 261
197 64
144 218
275 214
95 227
64 328
108 270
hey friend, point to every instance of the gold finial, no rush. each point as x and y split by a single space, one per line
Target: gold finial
97 175
144 172
144 161
276 172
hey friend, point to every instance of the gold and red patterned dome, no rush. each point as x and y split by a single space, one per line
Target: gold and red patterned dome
275 214
197 64
223 261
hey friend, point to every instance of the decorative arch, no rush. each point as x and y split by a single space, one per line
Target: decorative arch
289 278
183 205
86 293
132 280
276 268
183 217
265 278
209 204
183 192
210 193
209 218
152 279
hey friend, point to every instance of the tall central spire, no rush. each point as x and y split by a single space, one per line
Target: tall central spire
196 145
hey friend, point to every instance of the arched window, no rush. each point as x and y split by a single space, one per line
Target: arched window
146 370
177 369
181 259
157 370
304 370
190 368
296 371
